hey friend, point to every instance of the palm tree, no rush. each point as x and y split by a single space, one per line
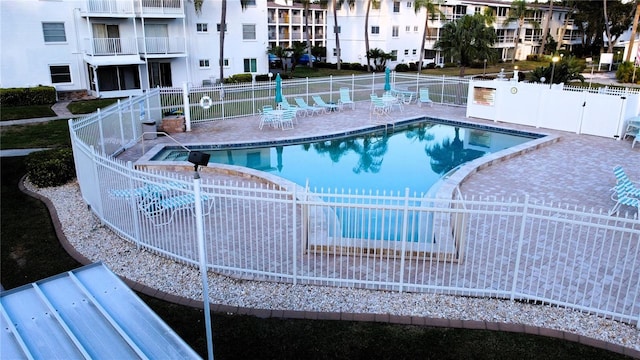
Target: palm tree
607 27
223 29
546 28
450 154
305 4
467 39
335 24
634 29
430 7
518 12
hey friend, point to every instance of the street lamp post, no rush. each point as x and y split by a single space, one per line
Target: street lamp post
553 69
484 69
270 76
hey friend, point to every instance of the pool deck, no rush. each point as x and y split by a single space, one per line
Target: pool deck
575 170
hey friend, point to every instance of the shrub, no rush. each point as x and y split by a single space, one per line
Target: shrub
50 167
624 73
39 95
238 78
402 68
413 66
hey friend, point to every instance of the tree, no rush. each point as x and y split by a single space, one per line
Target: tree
297 49
223 30
336 28
543 45
379 58
306 4
467 39
430 7
281 53
518 12
567 69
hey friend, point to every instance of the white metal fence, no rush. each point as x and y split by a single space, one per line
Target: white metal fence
503 248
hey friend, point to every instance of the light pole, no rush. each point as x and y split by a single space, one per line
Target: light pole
553 69
515 73
270 76
484 69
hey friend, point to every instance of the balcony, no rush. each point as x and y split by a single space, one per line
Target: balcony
111 46
128 8
162 45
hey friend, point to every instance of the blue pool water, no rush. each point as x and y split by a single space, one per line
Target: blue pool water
413 156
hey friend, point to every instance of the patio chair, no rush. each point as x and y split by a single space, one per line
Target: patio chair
285 105
287 118
307 109
145 190
325 106
424 97
624 182
268 118
345 99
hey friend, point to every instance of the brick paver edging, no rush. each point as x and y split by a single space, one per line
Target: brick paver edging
314 315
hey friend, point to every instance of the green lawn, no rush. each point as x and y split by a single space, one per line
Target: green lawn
25 112
38 135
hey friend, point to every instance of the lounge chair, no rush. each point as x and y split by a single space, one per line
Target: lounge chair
267 118
624 182
622 197
424 97
287 118
325 106
145 190
345 99
307 109
161 210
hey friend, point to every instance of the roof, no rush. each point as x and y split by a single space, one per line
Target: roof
85 313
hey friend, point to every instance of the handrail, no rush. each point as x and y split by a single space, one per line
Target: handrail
161 133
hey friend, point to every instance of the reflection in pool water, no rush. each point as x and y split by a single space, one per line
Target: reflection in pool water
414 157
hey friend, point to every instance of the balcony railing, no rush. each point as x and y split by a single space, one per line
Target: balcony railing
112 46
124 7
161 45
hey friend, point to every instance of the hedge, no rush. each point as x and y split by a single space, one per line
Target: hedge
39 95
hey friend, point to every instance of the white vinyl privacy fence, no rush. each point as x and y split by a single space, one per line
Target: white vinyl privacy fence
505 248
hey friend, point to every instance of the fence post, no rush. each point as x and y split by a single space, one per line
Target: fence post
442 90
187 108
405 234
120 122
132 202
331 88
294 204
525 210
101 131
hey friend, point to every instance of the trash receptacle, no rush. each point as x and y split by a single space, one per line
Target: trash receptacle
149 130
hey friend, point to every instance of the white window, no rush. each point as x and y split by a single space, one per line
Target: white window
218 27
394 55
250 3
407 28
248 31
336 29
396 6
54 32
250 65
394 31
335 52
204 63
414 51
415 29
406 51
375 29
477 10
225 63
60 74
202 28
409 4
502 11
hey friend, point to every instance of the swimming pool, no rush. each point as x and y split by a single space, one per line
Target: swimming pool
414 155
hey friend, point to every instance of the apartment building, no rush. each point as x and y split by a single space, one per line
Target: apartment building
287 23
396 28
116 48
